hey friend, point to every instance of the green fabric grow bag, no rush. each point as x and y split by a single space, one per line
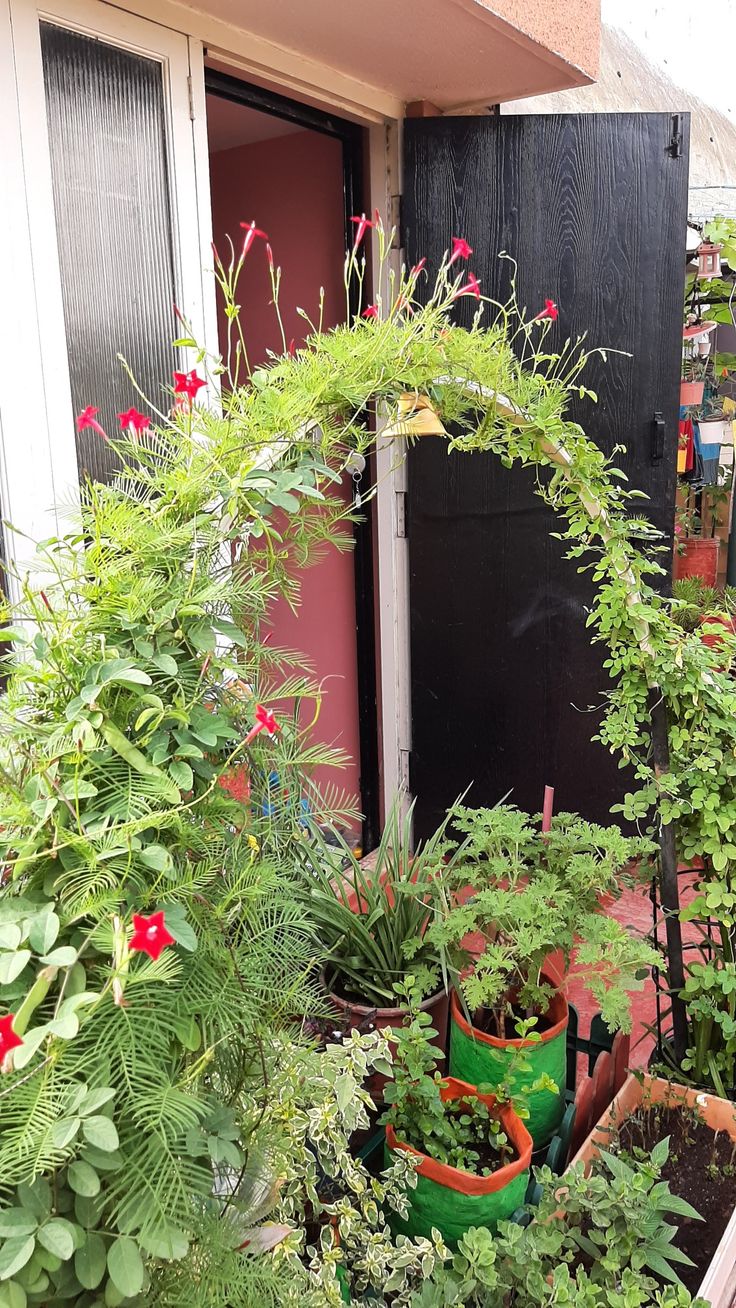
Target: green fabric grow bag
453 1200
483 1060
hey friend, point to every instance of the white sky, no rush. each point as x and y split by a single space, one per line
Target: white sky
694 41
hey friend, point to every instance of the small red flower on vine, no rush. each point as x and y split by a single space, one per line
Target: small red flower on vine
251 232
460 250
471 287
150 935
550 311
265 721
8 1039
133 418
88 418
418 267
362 224
370 311
188 383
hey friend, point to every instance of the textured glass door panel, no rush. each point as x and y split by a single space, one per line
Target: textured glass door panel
107 135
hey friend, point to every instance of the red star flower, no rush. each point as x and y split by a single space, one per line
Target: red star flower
88 418
471 287
132 418
187 383
370 311
460 250
362 224
150 935
265 721
251 232
550 311
8 1039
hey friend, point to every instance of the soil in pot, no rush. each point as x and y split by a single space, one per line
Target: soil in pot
701 1168
482 1058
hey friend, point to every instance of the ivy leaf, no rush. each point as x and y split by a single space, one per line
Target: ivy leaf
125 1266
14 1254
90 1261
101 1133
57 1235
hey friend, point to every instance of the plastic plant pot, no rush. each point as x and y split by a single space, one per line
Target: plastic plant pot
483 1059
691 393
698 557
453 1200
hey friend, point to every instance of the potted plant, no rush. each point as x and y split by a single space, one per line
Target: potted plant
372 924
513 897
692 384
473 1148
701 1130
697 546
699 606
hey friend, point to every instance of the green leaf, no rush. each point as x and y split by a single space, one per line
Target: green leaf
101 1133
32 1041
660 1152
83 1179
171 1244
95 1099
57 1235
36 1197
65 1027
64 1131
17 1221
90 1261
11 965
14 1254
182 931
43 932
125 1266
64 956
12 1295
10 935
156 857
166 664
182 774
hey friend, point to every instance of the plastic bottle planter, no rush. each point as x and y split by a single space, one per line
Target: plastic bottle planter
718 1287
483 1059
454 1200
698 557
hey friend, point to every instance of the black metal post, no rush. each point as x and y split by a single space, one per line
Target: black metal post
668 885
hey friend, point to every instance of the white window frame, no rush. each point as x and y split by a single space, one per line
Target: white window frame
38 468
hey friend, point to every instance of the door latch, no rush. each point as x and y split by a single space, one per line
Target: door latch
658 429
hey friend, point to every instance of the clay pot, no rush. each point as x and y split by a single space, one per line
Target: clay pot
699 558
718 1287
364 1015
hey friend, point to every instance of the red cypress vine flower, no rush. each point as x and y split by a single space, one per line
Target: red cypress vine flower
460 250
188 383
88 418
265 721
362 224
471 287
251 232
150 935
133 418
418 267
8 1039
370 311
550 311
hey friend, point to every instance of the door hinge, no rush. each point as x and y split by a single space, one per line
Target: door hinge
676 136
401 524
658 431
396 221
190 89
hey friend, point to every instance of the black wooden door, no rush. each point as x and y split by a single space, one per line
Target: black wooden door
506 688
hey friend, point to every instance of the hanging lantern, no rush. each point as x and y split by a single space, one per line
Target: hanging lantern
709 260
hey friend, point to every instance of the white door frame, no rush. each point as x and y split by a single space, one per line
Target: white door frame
39 462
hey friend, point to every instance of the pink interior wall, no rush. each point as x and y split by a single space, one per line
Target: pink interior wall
292 186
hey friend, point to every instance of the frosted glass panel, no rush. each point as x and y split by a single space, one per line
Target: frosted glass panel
107 129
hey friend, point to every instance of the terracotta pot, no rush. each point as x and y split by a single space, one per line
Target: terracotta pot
452 1199
699 558
712 638
691 392
483 1059
718 1287
364 1015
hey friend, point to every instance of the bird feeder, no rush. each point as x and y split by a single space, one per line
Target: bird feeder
709 260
